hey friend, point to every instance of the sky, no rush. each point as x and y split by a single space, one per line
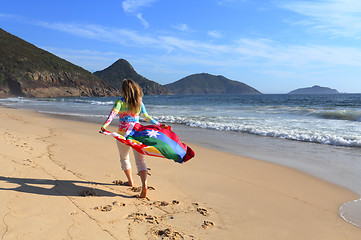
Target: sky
275 46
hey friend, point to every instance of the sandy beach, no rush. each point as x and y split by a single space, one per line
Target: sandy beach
56 183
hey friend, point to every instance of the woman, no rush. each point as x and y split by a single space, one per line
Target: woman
129 107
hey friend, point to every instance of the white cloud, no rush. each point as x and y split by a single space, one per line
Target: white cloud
183 27
120 36
297 56
10 17
257 51
91 60
214 34
336 17
136 5
193 47
82 53
222 2
142 20
127 37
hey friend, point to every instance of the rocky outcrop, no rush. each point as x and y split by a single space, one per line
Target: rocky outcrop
26 70
62 84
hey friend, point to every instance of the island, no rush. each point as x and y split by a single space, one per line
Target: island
315 90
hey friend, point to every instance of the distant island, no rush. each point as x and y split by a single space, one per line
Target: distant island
314 90
204 83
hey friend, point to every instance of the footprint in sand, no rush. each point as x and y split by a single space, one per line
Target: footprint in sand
133 189
168 233
108 208
164 203
207 224
105 208
138 189
27 162
119 204
159 203
143 217
203 211
121 182
88 193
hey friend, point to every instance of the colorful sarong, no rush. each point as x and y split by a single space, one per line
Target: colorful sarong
155 141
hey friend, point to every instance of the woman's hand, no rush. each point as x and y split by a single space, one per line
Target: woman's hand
102 130
164 126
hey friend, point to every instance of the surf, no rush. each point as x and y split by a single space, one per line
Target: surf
340 115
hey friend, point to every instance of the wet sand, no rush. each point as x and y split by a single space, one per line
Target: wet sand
56 182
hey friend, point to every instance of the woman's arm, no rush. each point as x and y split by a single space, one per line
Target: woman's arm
115 110
144 114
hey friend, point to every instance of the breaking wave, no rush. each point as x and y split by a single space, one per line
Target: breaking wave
339 115
268 129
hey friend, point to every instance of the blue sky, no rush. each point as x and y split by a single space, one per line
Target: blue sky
273 45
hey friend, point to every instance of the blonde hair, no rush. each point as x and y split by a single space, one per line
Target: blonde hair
132 94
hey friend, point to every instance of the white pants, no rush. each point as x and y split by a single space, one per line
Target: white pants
124 158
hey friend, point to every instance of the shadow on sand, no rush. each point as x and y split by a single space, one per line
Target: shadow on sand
55 187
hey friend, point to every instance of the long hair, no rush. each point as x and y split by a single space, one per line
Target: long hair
132 94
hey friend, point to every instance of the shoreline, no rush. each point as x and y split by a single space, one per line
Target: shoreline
49 160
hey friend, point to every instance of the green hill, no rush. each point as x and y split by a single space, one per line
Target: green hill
121 69
26 70
205 83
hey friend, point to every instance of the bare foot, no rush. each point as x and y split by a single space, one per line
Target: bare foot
143 193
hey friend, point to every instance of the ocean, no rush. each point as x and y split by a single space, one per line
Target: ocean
316 134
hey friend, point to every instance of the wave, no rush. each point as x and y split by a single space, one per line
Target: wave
351 212
269 130
90 101
14 100
300 123
84 100
93 102
75 114
339 115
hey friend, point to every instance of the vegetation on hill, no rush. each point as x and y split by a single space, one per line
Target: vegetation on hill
27 70
205 83
121 69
